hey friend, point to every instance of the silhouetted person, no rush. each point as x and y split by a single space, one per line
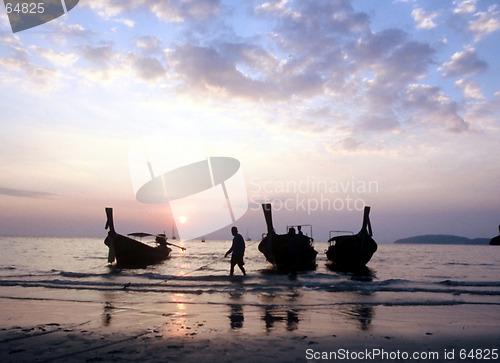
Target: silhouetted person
302 236
161 239
238 251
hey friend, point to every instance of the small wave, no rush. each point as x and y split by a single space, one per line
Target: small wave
255 285
7 268
83 275
471 283
74 274
392 282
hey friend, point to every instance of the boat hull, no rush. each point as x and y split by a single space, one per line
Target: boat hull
279 251
131 253
351 251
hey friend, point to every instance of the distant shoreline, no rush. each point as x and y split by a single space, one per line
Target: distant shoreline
443 239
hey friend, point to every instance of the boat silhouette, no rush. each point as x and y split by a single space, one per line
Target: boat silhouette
353 251
131 253
287 252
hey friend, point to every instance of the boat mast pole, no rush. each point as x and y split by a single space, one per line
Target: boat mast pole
270 230
109 221
110 241
366 228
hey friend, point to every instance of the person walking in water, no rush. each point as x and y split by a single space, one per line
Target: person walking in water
238 251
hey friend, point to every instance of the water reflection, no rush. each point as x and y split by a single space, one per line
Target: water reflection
236 316
362 313
273 314
362 273
108 309
106 314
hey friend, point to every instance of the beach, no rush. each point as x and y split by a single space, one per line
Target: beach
61 332
85 311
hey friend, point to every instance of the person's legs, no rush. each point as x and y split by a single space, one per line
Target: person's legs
240 265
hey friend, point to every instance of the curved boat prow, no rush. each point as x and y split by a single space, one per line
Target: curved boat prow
109 222
109 241
367 226
268 215
267 247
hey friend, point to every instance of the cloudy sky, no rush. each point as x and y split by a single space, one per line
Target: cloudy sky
328 106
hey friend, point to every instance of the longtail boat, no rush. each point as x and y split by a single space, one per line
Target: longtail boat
129 252
495 241
353 251
287 252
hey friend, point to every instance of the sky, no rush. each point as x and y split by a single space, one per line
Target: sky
327 105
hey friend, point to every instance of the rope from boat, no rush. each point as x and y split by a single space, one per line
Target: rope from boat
204 266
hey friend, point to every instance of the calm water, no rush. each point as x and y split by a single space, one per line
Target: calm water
398 275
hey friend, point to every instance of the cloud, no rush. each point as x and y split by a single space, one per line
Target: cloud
145 62
214 70
58 59
433 109
465 6
149 44
244 71
24 193
317 25
100 56
424 19
374 46
470 89
107 63
383 119
335 60
394 62
317 53
464 63
348 144
485 114
110 8
127 22
166 10
279 7
148 68
103 63
408 61
21 60
317 57
485 23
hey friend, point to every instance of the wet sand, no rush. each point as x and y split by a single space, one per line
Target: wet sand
53 330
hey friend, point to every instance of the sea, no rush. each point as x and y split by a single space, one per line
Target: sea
197 279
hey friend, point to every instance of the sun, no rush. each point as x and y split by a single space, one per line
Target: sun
182 219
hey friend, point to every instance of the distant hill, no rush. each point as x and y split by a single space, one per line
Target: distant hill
444 239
